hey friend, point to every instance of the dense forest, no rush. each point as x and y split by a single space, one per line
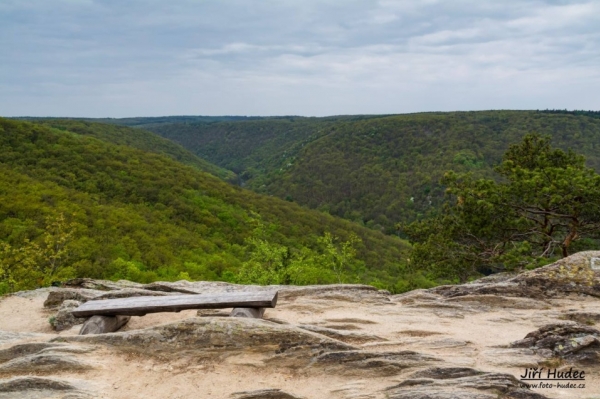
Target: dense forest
376 170
82 198
140 139
78 199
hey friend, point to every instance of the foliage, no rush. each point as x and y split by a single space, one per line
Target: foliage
139 139
546 199
329 262
375 170
32 262
134 214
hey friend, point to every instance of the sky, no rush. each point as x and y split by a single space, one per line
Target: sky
120 58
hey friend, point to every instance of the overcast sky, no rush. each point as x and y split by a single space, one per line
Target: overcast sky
117 58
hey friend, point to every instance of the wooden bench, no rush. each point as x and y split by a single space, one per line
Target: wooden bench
111 314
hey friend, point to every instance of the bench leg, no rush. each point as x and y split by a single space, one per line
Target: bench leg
103 324
253 313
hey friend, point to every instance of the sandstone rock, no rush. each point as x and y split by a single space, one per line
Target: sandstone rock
589 318
64 319
264 394
40 388
512 357
25 349
9 336
101 285
28 383
131 292
60 295
215 337
570 275
180 287
212 313
414 296
350 320
417 340
459 383
253 313
575 342
344 336
204 287
444 373
103 324
290 291
342 327
486 302
43 363
372 363
57 297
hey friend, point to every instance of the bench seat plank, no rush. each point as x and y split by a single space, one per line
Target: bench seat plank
139 306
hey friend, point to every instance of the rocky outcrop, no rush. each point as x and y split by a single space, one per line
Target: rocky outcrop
337 341
460 383
64 319
40 387
571 275
58 297
589 318
344 336
373 363
44 363
21 350
264 394
574 342
24 364
220 337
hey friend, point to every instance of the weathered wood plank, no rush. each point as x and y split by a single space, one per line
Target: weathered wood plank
103 324
139 306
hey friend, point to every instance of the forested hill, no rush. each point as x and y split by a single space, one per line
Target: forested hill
139 139
72 205
376 170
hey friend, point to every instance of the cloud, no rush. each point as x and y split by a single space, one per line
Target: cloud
269 57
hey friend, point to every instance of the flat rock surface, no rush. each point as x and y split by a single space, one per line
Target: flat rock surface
472 341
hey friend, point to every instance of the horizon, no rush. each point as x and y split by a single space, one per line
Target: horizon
294 116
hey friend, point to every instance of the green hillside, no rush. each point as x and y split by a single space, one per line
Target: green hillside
144 121
139 139
376 170
73 205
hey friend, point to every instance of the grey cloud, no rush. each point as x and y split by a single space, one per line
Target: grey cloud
315 57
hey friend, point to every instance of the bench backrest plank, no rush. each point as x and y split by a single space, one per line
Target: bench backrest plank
139 306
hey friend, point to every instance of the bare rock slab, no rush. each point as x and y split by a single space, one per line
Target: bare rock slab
460 383
26 349
370 364
18 384
64 319
570 275
40 388
264 394
44 363
220 336
571 341
344 336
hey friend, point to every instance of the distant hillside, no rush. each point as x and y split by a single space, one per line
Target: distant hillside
144 216
147 121
376 170
139 139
